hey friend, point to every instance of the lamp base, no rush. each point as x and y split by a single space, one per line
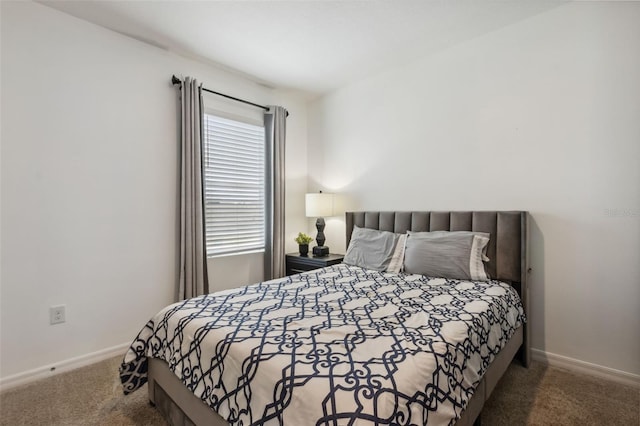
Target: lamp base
320 251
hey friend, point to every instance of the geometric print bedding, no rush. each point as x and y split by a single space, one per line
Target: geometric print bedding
335 346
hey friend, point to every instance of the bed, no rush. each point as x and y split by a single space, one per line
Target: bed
303 379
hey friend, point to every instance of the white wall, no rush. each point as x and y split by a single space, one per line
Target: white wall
543 116
89 183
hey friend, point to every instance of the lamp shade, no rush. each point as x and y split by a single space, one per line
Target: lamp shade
319 205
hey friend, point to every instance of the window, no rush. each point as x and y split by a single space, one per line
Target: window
234 175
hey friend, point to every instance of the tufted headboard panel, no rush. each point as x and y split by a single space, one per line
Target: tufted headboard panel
507 250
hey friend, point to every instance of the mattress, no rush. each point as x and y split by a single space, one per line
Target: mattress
339 345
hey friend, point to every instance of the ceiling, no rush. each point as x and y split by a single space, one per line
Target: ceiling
311 46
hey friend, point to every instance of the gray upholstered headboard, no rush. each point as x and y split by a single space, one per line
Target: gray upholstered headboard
507 249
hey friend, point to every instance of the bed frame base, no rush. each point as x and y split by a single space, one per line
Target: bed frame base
173 399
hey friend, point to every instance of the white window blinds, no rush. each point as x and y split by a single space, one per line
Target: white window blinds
234 174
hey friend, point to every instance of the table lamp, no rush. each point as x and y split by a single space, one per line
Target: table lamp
319 205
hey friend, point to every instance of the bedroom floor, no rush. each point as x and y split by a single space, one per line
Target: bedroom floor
543 395
540 395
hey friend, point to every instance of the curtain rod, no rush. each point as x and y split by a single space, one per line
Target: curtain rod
175 80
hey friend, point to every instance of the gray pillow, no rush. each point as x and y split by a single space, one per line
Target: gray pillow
370 248
457 254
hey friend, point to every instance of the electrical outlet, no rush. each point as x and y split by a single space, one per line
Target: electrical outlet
57 314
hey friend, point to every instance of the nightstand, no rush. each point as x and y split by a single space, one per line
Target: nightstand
297 263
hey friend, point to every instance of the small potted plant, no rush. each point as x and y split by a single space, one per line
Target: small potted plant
303 241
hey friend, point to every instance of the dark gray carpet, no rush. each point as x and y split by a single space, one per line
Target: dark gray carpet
539 395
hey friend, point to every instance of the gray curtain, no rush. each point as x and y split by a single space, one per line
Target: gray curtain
193 254
275 124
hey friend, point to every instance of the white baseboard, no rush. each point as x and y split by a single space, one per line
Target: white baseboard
583 367
61 367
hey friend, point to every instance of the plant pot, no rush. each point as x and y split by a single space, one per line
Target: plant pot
304 249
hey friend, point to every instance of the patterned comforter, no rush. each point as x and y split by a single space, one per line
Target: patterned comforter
335 346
